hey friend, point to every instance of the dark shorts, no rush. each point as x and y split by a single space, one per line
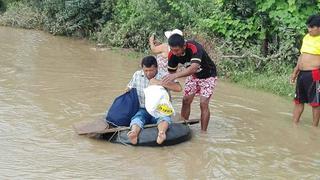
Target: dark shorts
308 88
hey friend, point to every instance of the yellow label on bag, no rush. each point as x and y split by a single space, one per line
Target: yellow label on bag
164 109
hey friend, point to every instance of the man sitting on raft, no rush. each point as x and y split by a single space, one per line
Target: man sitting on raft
149 75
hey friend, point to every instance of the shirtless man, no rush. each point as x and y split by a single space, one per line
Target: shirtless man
307 73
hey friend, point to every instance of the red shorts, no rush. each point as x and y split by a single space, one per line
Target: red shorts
202 87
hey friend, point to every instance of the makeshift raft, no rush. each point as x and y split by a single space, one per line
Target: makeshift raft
177 132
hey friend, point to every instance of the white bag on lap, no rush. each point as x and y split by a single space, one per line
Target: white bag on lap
157 101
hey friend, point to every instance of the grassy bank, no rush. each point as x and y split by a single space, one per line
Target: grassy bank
276 84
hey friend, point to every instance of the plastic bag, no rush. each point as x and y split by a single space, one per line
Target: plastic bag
157 101
123 108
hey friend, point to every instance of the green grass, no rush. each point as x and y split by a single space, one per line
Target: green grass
268 81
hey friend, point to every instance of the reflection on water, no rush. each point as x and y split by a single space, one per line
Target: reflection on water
49 83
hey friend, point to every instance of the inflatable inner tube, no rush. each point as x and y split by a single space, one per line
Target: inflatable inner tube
176 133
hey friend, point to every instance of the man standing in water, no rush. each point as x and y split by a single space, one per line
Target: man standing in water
201 72
307 72
149 75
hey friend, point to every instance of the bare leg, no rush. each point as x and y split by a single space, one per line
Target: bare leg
133 134
162 129
297 111
186 106
316 116
205 112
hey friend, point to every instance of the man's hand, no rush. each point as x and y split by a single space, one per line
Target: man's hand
293 78
154 81
127 89
169 78
151 39
295 72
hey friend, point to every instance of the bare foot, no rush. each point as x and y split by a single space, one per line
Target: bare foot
203 132
161 137
133 136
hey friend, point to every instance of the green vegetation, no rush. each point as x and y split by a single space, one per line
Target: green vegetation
19 14
254 42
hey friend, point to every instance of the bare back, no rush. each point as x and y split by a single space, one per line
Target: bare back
165 50
309 62
162 49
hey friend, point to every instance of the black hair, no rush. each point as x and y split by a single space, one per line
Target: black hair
148 61
313 21
176 40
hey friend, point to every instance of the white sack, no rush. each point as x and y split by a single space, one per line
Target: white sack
157 101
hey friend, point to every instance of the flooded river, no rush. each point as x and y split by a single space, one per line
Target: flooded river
49 83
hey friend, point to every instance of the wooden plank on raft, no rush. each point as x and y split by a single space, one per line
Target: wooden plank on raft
83 128
101 127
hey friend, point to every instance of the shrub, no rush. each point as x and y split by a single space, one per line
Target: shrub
21 14
77 17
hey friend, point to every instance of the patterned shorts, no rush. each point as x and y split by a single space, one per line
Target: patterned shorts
202 87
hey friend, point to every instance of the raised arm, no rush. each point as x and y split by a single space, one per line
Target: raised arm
157 49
